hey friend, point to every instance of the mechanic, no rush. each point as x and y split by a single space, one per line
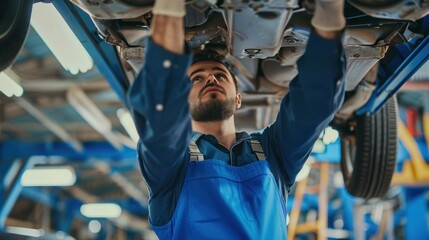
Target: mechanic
205 180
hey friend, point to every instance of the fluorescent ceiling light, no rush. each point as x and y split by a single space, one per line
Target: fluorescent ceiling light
8 86
49 176
330 136
305 170
318 147
303 173
94 226
60 39
93 115
31 232
88 110
128 123
101 210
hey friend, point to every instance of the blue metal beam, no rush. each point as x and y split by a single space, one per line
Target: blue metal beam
15 189
400 76
104 55
66 214
106 228
97 150
416 212
5 175
38 196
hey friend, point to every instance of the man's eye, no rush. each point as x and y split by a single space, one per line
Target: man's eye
197 79
220 76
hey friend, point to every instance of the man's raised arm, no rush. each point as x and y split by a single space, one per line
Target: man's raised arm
328 20
158 98
314 95
167 25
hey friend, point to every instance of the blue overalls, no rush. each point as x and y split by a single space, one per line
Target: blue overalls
219 201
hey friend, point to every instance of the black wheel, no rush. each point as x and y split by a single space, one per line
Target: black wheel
368 152
14 24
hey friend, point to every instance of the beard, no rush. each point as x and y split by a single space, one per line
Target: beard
213 110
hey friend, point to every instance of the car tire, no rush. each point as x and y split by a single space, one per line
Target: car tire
14 24
368 152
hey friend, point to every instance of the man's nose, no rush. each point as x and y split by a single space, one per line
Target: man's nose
211 78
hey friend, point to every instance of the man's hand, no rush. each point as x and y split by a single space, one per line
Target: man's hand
167 25
328 19
172 8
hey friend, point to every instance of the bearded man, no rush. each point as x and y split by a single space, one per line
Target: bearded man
207 181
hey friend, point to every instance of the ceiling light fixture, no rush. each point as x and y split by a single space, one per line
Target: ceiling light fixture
94 226
93 115
60 39
88 110
330 135
8 85
49 177
128 123
303 173
318 147
30 232
101 210
305 170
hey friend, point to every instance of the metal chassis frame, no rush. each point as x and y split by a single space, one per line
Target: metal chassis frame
418 54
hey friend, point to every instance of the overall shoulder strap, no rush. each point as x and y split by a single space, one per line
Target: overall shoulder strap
257 149
194 153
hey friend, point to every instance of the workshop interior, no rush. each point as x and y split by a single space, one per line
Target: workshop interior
68 160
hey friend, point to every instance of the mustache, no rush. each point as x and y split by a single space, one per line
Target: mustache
211 85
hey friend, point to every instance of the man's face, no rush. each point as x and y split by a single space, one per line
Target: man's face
213 95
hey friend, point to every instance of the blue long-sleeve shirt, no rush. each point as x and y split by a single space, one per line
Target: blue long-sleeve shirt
158 102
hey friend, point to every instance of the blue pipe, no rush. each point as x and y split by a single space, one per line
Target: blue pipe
13 194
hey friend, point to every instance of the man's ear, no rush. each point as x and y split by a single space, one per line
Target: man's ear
238 100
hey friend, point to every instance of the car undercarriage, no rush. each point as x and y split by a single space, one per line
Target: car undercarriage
262 40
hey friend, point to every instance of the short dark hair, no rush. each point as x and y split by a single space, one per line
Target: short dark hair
214 56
